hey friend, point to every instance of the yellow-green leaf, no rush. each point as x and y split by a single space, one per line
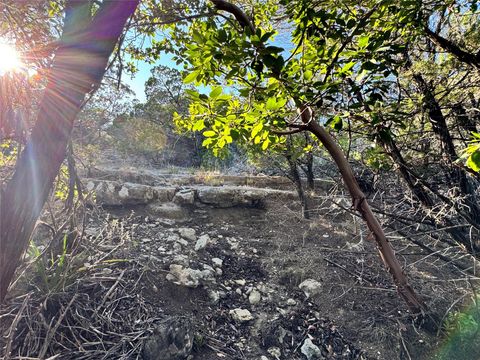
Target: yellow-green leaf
265 144
473 161
191 77
199 125
209 133
216 91
256 129
271 104
307 75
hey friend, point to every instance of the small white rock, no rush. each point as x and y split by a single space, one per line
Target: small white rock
275 352
241 315
202 242
214 296
217 262
255 297
172 238
310 350
182 242
188 234
177 247
291 302
310 287
123 193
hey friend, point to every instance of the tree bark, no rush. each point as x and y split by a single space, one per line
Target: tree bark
78 67
460 54
360 204
294 175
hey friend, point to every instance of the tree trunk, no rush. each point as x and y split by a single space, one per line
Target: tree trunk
309 171
457 176
360 203
294 175
387 254
79 65
412 183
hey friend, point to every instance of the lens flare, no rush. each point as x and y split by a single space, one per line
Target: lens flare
9 59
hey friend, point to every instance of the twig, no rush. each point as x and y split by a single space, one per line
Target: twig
53 330
109 292
13 327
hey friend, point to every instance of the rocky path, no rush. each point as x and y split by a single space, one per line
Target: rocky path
203 239
235 273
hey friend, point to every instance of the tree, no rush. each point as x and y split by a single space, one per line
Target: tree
274 88
88 39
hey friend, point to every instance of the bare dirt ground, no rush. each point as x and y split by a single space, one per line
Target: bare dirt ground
241 298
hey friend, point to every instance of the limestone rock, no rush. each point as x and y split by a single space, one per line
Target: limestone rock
188 234
172 238
241 315
214 296
167 210
217 262
291 302
137 194
190 277
310 287
164 193
202 242
310 350
171 340
255 297
230 196
184 197
275 352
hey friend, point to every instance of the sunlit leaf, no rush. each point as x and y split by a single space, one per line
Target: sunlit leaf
216 92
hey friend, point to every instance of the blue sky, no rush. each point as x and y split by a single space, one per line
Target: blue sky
137 83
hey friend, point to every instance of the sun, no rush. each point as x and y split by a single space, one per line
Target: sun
9 59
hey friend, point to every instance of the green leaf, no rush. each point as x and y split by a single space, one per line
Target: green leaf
266 36
265 144
199 125
369 66
363 41
216 91
256 129
307 75
271 104
209 133
192 93
335 122
222 35
347 67
191 77
272 50
207 142
473 161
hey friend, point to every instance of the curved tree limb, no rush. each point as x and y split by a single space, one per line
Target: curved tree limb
447 45
241 17
360 203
